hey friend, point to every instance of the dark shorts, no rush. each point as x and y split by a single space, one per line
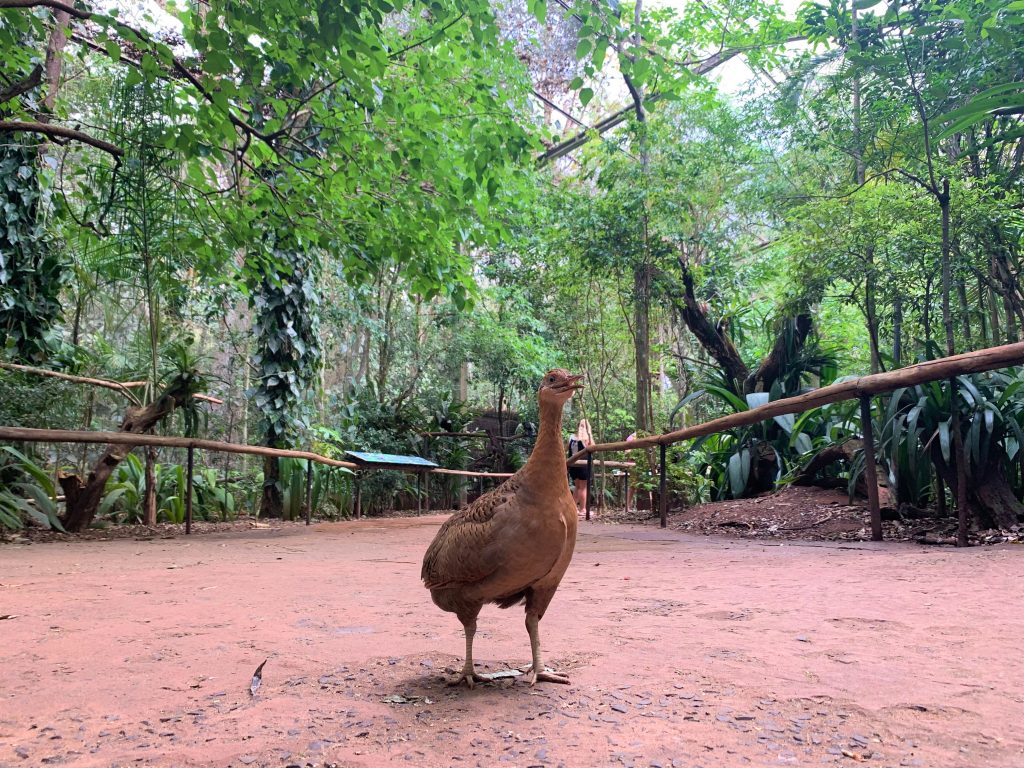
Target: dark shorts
579 473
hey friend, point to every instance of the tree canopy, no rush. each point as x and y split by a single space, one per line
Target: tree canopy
362 221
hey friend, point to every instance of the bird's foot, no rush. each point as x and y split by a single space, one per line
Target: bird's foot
544 676
469 677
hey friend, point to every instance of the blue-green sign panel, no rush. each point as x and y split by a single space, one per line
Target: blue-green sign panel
384 459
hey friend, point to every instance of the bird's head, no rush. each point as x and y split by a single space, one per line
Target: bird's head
559 385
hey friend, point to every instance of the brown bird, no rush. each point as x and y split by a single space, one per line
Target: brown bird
514 543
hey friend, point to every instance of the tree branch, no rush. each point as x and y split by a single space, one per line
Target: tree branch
53 4
123 387
59 132
13 91
426 39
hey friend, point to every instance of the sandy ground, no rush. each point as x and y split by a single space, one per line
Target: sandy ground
683 651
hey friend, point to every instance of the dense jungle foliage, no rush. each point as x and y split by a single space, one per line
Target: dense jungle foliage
358 225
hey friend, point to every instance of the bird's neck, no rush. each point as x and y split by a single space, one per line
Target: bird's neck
548 450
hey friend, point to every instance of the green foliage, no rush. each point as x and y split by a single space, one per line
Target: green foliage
735 462
31 272
915 431
287 325
686 482
27 492
125 491
27 400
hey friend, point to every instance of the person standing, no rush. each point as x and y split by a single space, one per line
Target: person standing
579 473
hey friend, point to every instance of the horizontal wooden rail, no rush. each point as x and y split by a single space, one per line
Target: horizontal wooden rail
31 435
127 438
467 473
874 384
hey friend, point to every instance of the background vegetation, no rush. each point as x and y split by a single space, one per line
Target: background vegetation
355 224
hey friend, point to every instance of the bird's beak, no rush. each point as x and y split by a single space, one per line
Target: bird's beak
575 382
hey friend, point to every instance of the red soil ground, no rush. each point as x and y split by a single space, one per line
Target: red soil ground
682 650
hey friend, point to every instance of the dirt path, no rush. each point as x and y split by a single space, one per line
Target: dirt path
683 651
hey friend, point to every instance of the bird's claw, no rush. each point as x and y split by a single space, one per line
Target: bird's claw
469 678
544 676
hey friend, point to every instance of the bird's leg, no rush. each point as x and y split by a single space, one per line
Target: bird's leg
537 671
468 676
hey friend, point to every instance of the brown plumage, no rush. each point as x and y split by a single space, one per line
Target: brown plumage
514 543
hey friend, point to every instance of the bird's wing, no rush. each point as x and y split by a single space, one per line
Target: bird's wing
459 553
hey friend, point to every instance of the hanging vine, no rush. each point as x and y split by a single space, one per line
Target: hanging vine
31 273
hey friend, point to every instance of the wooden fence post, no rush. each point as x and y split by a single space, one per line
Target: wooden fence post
870 467
662 487
590 482
188 490
309 490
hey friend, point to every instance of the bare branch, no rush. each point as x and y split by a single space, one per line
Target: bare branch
13 91
59 132
54 4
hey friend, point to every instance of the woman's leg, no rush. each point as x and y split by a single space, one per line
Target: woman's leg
583 486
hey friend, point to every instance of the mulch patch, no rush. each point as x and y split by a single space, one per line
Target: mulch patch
806 513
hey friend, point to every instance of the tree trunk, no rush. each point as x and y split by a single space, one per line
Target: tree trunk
83 497
272 501
926 310
986 339
713 338
993 306
990 499
871 312
642 324
959 455
860 175
844 451
54 49
965 312
1012 333
790 341
364 358
897 331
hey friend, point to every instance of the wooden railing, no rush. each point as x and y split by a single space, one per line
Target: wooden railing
31 435
862 389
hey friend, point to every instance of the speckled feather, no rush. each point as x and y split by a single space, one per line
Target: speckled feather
455 556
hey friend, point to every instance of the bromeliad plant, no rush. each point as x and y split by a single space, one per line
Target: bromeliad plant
915 443
123 499
757 457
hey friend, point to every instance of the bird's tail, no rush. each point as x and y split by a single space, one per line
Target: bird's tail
510 600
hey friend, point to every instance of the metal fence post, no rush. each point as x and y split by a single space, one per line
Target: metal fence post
870 469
